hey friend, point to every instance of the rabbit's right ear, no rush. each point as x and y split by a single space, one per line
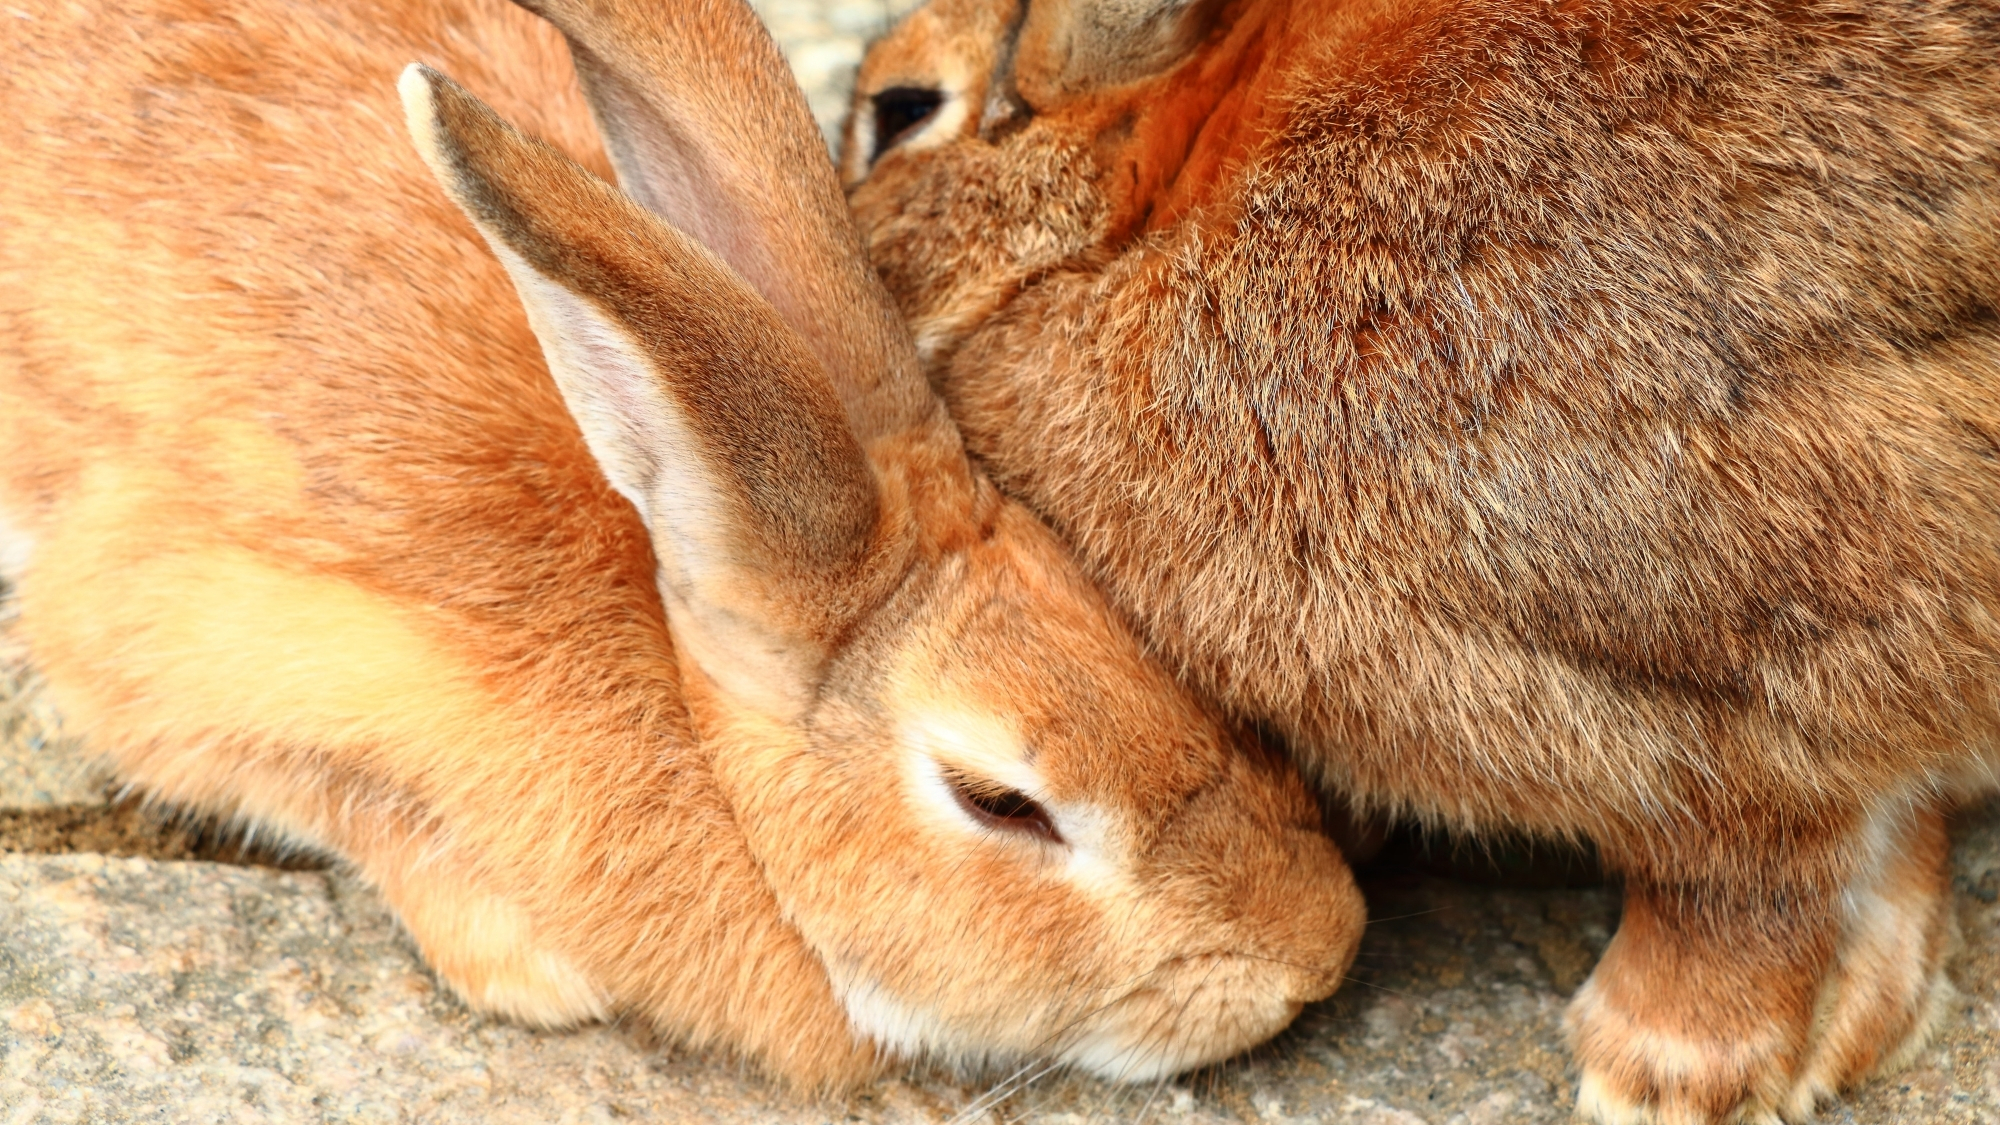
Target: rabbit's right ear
1072 46
703 408
707 128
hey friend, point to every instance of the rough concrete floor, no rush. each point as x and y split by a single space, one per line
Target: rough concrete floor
155 972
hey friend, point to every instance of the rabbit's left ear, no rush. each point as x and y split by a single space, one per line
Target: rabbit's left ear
707 129
1071 46
701 406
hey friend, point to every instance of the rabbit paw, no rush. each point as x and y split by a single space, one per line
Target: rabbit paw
483 947
1646 1065
1707 1009
1887 991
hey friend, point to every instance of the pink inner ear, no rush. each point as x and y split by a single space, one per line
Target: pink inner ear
662 164
707 128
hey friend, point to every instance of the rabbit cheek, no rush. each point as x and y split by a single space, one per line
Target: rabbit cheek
928 928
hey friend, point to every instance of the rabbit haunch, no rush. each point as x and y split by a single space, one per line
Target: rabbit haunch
1574 418
706 682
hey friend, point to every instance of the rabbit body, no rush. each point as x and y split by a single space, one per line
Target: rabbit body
1576 419
306 536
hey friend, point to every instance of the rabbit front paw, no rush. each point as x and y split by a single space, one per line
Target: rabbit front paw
1654 1064
1711 1007
1887 990
483 947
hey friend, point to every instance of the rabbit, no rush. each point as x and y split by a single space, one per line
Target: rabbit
1577 420
629 615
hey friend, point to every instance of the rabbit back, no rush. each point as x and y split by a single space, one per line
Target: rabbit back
279 328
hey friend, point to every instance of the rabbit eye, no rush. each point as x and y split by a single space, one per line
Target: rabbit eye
997 806
898 111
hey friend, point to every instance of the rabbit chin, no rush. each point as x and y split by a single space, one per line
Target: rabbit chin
1193 1012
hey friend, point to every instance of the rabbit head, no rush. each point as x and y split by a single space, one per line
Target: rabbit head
990 141
1000 827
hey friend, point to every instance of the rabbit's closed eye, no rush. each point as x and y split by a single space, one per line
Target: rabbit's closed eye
1000 807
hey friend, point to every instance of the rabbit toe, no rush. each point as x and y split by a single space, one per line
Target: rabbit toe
1636 1072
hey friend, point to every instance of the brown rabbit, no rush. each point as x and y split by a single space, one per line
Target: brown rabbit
307 537
1580 419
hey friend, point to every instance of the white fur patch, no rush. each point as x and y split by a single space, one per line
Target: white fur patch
912 1033
908 1032
15 548
979 743
1111 1057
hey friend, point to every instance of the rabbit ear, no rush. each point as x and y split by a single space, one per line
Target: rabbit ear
1069 46
707 128
701 405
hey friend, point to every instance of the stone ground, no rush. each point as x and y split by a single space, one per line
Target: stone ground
153 972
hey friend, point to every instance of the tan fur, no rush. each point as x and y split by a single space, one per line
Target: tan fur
311 540
1575 418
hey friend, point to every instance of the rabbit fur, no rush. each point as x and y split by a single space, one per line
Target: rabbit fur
1578 419
705 683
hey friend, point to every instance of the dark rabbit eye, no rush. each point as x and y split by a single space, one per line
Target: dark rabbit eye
898 110
997 806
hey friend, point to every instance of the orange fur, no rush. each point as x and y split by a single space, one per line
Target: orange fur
310 539
1577 419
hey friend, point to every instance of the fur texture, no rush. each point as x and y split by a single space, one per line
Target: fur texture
319 544
1579 418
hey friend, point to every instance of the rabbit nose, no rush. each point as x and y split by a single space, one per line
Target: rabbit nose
1274 890
1308 917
